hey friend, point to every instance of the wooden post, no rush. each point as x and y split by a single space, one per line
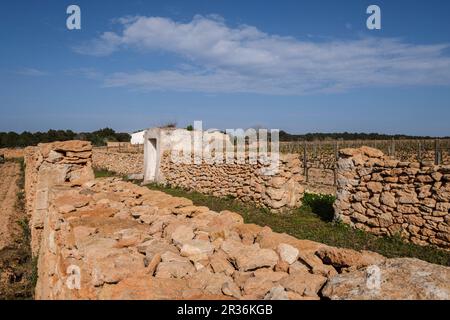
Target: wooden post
419 155
437 156
336 155
393 147
305 162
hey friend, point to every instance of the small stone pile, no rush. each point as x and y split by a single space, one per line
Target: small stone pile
245 182
123 163
384 196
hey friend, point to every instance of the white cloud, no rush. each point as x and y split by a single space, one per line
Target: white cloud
245 59
31 72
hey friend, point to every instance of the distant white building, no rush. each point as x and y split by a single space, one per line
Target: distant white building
138 137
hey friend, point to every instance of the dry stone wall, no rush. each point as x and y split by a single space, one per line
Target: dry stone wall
245 182
48 165
129 242
12 153
123 163
110 239
384 196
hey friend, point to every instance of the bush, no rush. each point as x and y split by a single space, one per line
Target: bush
320 204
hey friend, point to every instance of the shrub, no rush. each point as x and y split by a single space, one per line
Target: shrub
320 204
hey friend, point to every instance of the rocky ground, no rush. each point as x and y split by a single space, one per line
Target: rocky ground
129 242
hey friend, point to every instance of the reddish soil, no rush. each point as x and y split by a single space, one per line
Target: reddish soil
16 264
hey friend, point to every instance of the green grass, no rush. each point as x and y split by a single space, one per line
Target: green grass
313 221
104 173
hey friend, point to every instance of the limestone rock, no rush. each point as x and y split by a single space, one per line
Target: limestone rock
250 257
229 288
277 293
257 286
174 269
197 249
400 279
145 288
182 235
344 258
372 152
288 253
304 284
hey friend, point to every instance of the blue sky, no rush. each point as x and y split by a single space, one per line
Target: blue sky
300 66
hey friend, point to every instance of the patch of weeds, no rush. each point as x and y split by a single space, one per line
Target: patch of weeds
104 173
26 233
320 204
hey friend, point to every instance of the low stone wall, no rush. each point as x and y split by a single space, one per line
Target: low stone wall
110 239
242 181
9 153
123 163
385 196
47 165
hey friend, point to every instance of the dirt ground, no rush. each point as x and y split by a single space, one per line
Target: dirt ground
321 181
9 228
16 264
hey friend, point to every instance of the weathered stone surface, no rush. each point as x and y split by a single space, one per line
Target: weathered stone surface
197 249
401 279
250 257
247 182
304 284
120 162
372 152
277 293
345 258
220 264
375 187
174 269
182 234
387 197
229 288
257 287
145 288
288 253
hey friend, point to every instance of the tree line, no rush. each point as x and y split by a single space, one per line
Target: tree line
347 136
102 136
25 139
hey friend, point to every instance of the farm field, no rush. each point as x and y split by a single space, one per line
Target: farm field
319 157
323 154
10 173
16 264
